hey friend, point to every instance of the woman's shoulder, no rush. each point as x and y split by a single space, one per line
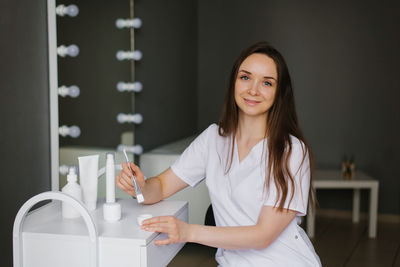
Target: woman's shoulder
208 133
297 144
212 129
299 149
296 141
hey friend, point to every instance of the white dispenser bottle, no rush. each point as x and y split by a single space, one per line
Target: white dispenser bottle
73 189
111 209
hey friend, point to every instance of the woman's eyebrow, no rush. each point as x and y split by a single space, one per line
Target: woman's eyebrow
266 77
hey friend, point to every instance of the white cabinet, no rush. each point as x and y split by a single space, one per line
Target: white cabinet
50 240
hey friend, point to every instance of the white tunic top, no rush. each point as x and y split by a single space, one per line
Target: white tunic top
238 196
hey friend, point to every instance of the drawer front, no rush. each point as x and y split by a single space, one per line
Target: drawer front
157 256
119 253
51 250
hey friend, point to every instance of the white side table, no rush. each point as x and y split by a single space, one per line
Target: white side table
48 240
333 179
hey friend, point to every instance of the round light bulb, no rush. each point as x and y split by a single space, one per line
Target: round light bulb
73 50
136 23
74 131
72 10
137 55
74 91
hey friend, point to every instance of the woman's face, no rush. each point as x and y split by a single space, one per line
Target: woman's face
255 85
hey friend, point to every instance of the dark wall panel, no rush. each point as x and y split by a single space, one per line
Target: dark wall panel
168 71
24 109
343 58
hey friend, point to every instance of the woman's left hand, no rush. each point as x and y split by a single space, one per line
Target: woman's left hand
178 231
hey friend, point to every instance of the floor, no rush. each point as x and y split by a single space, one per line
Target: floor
338 242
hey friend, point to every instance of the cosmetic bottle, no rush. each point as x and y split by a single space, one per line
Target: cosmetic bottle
111 209
73 189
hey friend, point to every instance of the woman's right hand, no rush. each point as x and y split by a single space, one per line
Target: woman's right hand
124 179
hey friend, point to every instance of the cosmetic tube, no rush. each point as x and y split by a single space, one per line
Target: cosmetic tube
88 168
110 178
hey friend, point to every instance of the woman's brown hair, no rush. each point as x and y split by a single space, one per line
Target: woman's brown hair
281 123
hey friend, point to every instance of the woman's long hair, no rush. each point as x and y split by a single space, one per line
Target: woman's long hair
281 123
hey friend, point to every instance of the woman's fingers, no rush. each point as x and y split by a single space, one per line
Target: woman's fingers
124 182
124 178
124 188
126 170
159 219
170 225
163 242
138 173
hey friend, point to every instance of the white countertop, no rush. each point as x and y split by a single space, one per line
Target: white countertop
49 221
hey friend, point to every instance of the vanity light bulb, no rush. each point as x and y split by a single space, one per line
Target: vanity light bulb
136 149
135 23
72 91
71 50
129 55
71 10
135 87
64 169
130 118
73 131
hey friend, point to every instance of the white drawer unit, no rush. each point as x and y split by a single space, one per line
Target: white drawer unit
50 240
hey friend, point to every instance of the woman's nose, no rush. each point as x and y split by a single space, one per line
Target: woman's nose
253 89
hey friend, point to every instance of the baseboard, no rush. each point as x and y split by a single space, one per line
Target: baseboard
382 217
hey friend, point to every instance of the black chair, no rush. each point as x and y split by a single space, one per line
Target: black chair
209 220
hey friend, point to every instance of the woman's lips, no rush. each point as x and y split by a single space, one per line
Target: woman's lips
251 102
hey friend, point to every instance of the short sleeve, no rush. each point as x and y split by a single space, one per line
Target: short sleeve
300 170
191 164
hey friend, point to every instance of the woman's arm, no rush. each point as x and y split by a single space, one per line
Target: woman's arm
154 189
270 225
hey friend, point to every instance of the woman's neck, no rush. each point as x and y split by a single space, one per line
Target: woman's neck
251 128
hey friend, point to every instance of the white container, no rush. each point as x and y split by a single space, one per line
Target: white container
143 217
88 169
111 209
110 178
73 189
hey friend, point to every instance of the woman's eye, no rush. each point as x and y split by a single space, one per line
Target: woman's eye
267 83
244 77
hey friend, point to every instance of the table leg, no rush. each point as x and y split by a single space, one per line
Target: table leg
356 205
311 222
373 211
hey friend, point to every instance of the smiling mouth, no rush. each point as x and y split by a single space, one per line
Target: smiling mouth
251 102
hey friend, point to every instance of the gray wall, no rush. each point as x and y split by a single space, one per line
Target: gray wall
24 109
344 61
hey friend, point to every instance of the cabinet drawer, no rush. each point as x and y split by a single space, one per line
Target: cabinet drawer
151 254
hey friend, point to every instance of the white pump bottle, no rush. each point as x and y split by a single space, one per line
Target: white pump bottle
73 189
111 209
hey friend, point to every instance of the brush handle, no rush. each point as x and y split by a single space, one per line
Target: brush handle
138 191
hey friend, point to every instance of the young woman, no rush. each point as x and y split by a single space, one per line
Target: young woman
257 167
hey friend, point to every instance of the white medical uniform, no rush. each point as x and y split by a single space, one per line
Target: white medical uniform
237 197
